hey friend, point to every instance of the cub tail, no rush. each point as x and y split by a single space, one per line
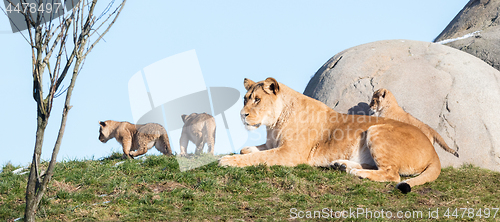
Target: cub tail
439 140
167 150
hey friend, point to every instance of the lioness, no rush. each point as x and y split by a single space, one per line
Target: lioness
302 130
199 129
384 104
136 139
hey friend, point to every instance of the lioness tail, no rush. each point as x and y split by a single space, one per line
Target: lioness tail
430 173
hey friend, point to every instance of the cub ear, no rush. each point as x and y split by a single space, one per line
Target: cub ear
103 124
183 117
248 83
383 92
271 85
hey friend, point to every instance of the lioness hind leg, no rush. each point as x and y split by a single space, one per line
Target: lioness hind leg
380 175
381 148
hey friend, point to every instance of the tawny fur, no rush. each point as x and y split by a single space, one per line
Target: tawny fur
199 129
384 104
302 130
136 139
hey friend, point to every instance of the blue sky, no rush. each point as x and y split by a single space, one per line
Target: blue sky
288 40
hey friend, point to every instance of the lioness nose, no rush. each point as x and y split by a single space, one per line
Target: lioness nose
243 115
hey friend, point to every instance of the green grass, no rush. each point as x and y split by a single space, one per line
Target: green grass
155 189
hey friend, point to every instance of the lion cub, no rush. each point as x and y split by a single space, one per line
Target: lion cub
384 104
199 129
136 139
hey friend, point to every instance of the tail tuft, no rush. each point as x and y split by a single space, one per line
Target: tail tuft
456 152
404 187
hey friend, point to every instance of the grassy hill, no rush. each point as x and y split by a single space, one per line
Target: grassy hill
154 189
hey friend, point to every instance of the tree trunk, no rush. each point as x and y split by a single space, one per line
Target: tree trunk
33 181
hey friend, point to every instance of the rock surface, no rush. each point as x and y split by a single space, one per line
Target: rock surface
480 17
454 92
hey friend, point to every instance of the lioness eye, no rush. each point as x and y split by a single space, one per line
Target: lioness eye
257 100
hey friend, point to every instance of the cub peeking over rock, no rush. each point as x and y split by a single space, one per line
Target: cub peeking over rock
199 129
136 139
384 104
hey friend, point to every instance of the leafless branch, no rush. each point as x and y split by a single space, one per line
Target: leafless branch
106 31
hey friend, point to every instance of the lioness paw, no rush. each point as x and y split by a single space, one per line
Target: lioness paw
339 166
249 149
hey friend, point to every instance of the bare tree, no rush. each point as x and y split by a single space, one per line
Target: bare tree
59 45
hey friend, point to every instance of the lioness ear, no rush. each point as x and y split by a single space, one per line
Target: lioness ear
383 93
271 85
183 116
248 83
103 124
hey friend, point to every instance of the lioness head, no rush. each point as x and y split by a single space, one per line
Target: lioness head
382 99
262 104
104 131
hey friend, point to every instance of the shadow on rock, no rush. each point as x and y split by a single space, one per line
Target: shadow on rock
361 109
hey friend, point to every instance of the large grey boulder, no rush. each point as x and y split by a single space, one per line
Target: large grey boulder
476 30
454 92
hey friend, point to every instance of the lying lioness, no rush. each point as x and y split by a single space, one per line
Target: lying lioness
302 130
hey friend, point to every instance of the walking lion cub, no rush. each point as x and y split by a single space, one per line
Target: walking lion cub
198 128
302 130
384 104
136 139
